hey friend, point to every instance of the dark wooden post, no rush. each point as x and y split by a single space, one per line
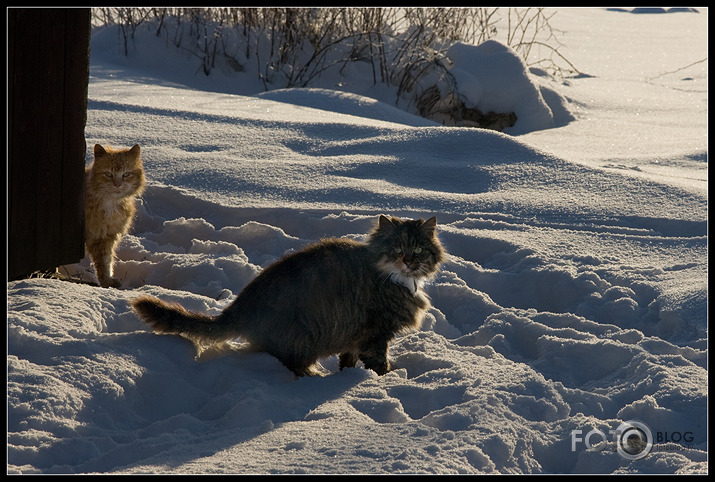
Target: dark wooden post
48 74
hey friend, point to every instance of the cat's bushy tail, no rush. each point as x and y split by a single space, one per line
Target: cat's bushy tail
174 319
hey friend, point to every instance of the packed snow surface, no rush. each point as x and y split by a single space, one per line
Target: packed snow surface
573 300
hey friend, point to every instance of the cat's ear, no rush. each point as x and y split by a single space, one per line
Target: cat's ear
135 150
429 225
385 224
99 151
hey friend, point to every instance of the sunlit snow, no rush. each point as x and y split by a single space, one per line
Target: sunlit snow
574 297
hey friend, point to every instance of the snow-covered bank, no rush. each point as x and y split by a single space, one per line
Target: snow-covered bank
574 298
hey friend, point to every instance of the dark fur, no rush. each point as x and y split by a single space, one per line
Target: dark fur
336 296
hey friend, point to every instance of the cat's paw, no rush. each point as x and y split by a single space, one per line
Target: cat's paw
110 283
378 365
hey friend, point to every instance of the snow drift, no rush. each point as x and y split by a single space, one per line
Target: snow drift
573 299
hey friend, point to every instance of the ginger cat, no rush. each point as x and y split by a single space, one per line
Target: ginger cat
113 181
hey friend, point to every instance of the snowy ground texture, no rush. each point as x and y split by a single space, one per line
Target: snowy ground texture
574 298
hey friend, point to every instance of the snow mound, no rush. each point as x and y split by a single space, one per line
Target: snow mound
480 71
573 299
345 103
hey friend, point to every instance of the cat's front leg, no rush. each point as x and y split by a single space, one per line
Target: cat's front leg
374 355
101 253
347 360
104 275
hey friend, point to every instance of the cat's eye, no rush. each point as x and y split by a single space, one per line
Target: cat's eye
126 175
109 174
398 250
417 250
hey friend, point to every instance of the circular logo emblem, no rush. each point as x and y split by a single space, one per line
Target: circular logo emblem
634 440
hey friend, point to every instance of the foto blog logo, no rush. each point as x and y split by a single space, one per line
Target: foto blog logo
632 440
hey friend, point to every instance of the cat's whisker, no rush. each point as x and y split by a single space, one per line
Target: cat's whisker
385 276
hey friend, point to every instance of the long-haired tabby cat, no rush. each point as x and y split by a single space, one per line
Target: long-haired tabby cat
337 296
113 181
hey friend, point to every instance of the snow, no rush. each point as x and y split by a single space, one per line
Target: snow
485 87
574 298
